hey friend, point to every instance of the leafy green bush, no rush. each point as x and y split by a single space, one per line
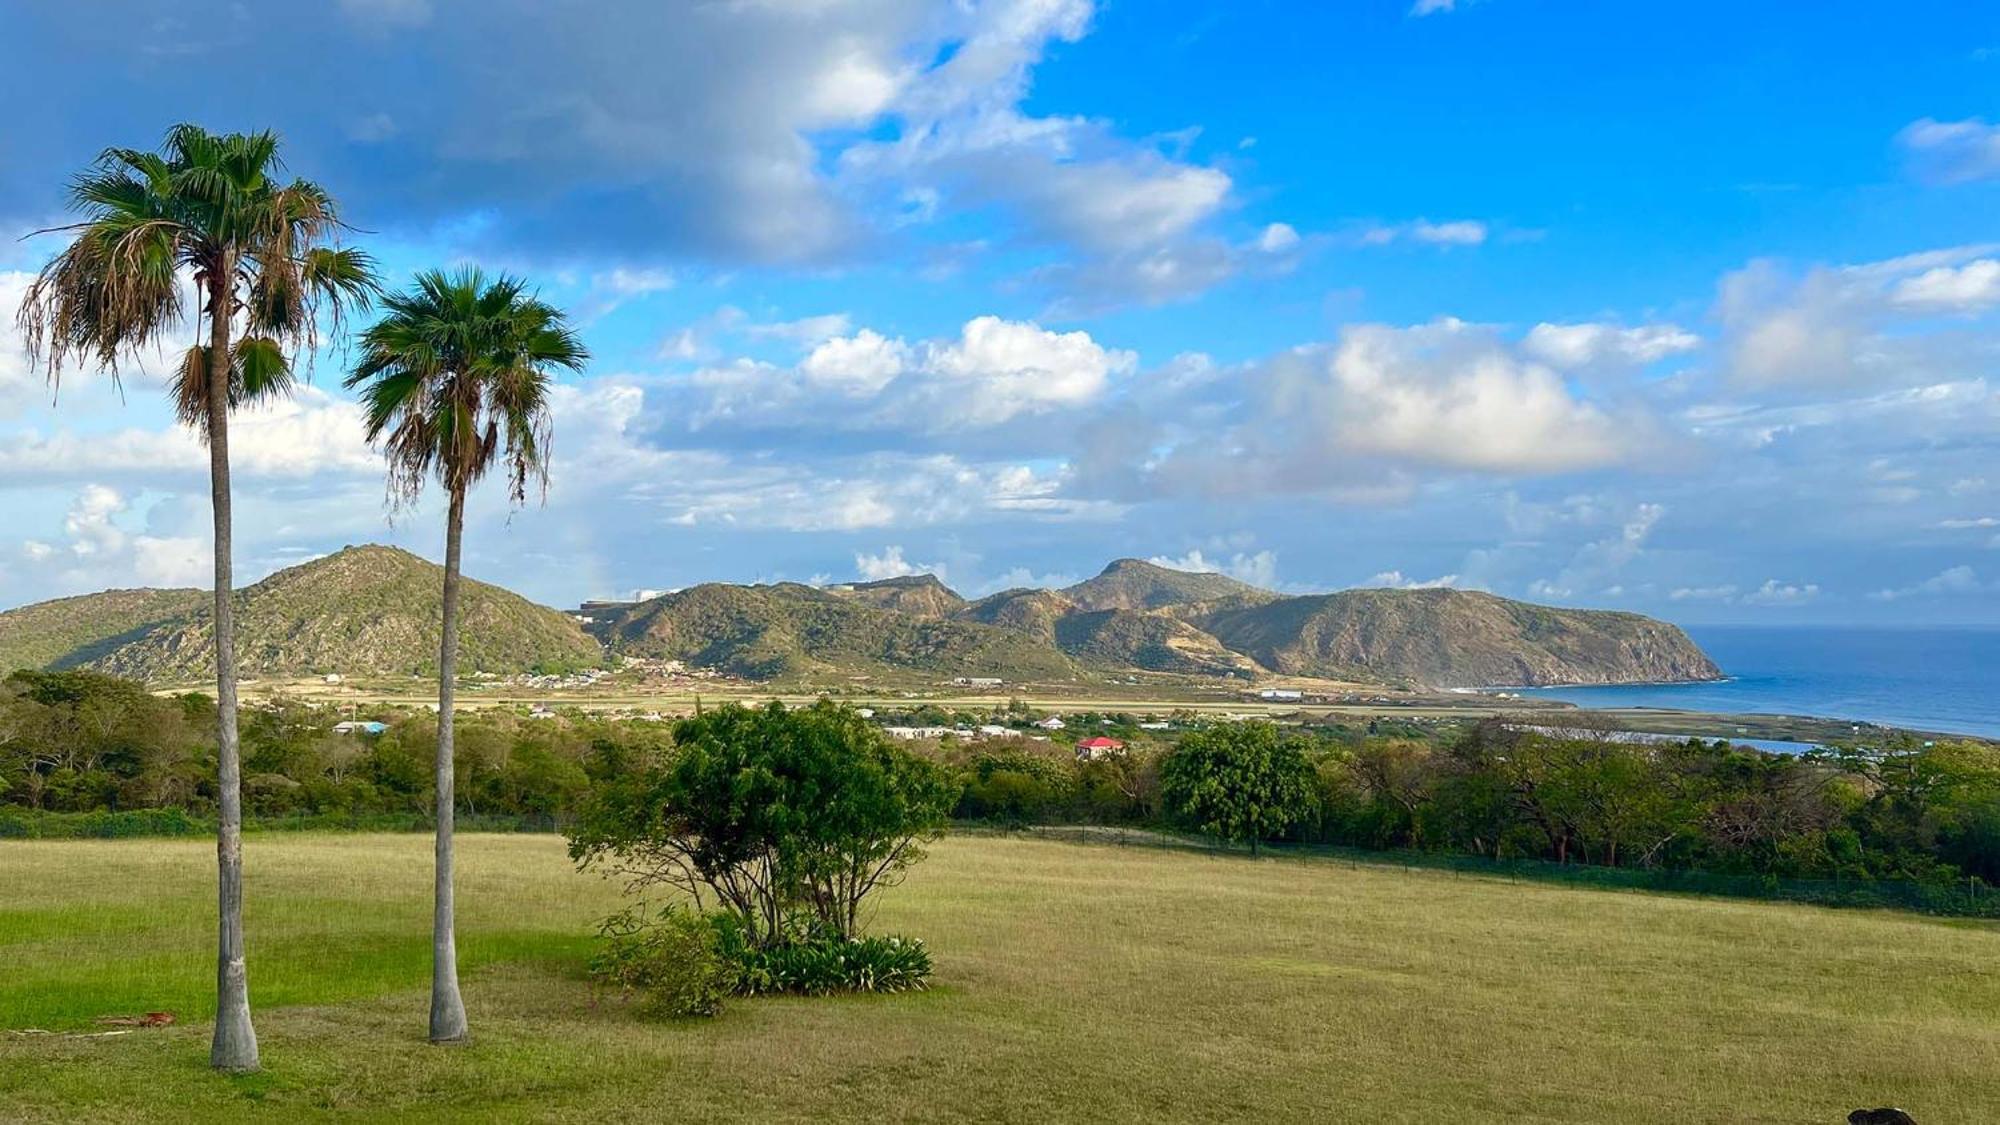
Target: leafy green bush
779 817
672 960
822 962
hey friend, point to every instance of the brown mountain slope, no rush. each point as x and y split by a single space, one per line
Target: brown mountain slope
72 631
1023 610
1154 640
919 595
787 629
362 611
1135 584
1453 639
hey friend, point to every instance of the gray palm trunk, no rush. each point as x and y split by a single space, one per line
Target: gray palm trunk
447 1008
235 1043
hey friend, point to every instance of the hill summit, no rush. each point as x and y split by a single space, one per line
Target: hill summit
1137 584
368 610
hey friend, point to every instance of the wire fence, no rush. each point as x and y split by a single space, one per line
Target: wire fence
34 824
1968 898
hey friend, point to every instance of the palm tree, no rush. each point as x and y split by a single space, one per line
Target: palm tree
263 256
456 376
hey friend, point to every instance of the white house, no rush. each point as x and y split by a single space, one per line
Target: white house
1053 722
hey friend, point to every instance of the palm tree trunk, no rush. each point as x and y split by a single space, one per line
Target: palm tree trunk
235 1044
447 1008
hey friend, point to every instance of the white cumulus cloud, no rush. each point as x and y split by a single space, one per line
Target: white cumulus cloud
1952 151
1580 346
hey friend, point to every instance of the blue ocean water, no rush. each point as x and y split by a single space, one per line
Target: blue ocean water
1940 679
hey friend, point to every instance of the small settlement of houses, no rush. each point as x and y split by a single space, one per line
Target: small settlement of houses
1090 749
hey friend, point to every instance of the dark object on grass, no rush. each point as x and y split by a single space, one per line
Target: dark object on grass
150 1019
1883 1116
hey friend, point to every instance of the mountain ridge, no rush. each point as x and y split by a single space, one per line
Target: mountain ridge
374 609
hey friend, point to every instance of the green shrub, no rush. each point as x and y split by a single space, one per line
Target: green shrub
671 960
823 962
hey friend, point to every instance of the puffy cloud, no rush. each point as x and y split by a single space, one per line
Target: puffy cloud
1846 324
1397 580
610 454
1277 237
891 564
1448 393
98 552
1259 569
1954 581
18 379
1952 151
1140 211
309 435
1573 347
861 364
999 368
994 372
1432 7
1967 288
741 131
1597 563
1365 420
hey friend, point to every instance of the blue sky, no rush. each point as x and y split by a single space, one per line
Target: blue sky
1690 309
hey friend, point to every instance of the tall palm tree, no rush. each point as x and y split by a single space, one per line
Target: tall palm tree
264 257
455 377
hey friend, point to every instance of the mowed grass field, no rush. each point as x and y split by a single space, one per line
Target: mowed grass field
1076 982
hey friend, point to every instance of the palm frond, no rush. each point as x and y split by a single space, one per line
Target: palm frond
456 377
208 204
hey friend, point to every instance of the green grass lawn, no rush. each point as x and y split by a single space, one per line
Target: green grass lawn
1075 982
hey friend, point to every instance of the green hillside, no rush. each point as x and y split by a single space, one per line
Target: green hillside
72 631
1453 639
363 611
1035 613
920 595
375 610
789 630
1153 641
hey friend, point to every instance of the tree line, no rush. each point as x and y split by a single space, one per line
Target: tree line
78 741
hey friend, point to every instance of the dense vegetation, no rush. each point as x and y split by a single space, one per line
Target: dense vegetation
777 825
78 742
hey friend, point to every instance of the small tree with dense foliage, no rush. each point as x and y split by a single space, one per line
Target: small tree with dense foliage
1238 781
786 819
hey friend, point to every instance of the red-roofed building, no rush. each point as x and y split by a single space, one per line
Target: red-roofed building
1091 749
